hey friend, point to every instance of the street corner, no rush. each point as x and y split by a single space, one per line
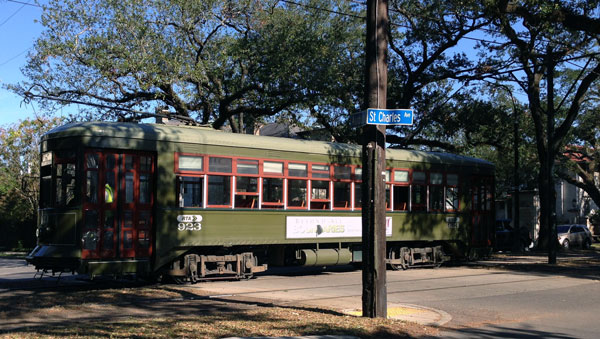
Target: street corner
412 313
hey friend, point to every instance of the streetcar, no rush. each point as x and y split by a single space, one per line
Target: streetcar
193 203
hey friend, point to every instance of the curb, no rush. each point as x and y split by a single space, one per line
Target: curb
413 313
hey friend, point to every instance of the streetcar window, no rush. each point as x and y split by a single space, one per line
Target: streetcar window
297 193
46 186
401 198
401 176
452 179
419 192
246 192
129 162
452 199
320 171
219 190
91 194
247 166
92 160
129 187
419 178
90 235
109 186
65 184
221 165
319 194
419 198
146 164
342 173
145 188
436 192
110 161
272 167
358 174
272 193
436 178
452 192
191 163
342 194
297 170
190 191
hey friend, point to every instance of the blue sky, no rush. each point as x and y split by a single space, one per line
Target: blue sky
18 31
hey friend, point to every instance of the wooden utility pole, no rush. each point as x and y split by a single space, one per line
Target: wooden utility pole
374 296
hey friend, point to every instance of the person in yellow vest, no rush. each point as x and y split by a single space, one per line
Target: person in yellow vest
108 194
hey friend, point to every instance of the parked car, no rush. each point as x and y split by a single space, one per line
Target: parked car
574 235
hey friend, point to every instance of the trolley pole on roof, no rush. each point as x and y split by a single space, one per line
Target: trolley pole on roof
374 295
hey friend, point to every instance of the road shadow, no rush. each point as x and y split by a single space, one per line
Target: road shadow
494 331
572 263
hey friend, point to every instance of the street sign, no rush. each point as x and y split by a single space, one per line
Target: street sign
379 116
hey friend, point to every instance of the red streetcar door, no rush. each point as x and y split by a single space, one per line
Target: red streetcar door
137 200
118 205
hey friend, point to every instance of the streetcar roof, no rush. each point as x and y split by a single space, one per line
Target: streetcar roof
209 136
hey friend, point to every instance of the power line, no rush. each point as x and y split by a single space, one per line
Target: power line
10 16
13 58
24 3
323 9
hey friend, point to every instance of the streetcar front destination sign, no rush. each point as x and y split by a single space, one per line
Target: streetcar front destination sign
379 116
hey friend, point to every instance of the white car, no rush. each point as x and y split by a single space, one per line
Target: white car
574 235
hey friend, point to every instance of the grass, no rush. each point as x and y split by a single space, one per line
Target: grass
167 311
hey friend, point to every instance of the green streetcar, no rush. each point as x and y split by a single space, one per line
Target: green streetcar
193 203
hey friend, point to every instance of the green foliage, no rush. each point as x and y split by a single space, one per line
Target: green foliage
19 180
211 60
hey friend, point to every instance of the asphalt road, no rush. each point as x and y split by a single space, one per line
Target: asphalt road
481 302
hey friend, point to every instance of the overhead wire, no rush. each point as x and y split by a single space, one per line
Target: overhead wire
12 15
24 3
